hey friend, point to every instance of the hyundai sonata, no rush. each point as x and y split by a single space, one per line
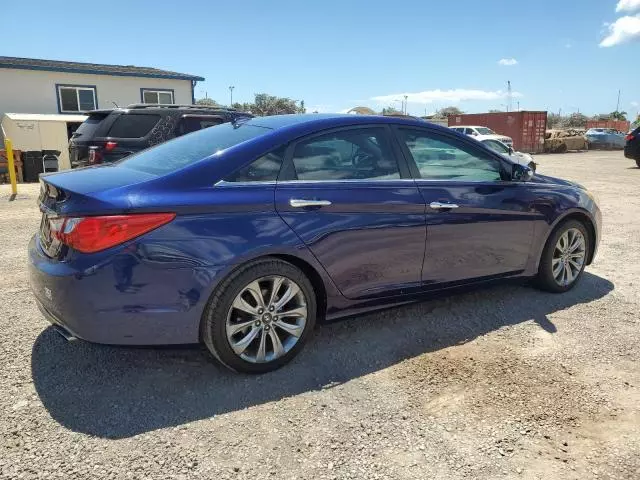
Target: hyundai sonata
242 235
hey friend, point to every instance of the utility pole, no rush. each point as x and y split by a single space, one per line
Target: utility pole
231 87
405 104
618 104
518 105
509 96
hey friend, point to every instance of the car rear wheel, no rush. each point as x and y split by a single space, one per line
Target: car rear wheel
260 316
564 257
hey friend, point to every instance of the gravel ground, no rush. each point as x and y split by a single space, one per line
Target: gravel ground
506 382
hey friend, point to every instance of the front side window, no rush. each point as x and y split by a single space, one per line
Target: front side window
497 146
163 97
441 158
72 98
354 154
485 131
264 169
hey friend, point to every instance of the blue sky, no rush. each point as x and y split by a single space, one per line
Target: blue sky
334 54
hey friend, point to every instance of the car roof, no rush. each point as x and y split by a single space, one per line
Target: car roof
303 123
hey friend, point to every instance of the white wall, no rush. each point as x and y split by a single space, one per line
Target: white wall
34 91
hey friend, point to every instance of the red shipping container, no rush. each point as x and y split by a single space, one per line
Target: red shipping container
621 125
526 128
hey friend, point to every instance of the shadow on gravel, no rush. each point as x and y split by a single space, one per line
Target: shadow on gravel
118 392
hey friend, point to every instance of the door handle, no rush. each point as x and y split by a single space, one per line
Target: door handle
301 203
442 206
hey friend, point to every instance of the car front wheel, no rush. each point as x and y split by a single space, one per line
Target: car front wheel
564 257
260 316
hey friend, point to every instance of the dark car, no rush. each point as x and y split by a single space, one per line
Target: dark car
632 145
111 135
243 235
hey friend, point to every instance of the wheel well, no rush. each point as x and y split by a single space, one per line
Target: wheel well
315 279
586 221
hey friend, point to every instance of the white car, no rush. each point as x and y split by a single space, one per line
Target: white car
482 133
507 151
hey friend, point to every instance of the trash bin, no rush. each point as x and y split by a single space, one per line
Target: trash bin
32 165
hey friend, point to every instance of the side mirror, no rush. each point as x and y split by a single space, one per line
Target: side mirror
521 173
510 150
475 134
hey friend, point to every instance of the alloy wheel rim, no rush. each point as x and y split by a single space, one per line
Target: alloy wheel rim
568 257
266 319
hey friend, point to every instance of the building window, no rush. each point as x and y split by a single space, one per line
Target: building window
157 96
76 98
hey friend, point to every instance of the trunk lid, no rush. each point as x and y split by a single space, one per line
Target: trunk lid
76 193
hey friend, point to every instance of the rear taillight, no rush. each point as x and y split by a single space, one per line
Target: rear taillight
93 234
95 156
629 137
110 146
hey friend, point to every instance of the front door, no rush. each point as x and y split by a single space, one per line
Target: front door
349 196
479 223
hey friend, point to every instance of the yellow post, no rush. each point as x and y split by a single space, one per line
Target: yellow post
12 170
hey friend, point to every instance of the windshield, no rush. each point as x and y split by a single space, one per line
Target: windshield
180 152
485 131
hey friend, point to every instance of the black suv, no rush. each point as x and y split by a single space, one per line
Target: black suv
632 147
110 135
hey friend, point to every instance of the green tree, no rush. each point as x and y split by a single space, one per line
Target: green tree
449 111
265 104
576 120
619 115
391 111
207 101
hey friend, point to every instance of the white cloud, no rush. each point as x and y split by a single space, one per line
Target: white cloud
622 30
320 108
628 6
451 96
507 62
635 104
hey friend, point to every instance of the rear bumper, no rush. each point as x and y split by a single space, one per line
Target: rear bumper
632 152
122 300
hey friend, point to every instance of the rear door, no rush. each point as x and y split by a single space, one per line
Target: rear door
479 223
348 195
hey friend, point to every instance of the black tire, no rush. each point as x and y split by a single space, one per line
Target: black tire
213 325
545 279
532 166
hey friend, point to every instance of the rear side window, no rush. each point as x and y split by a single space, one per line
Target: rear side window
182 151
264 169
133 125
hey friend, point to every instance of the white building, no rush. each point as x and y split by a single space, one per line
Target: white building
49 86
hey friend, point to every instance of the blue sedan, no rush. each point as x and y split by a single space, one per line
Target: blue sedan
245 234
608 138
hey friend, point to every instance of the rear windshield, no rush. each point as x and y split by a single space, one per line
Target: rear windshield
131 125
182 151
87 129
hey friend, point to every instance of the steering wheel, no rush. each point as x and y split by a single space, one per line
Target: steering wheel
361 157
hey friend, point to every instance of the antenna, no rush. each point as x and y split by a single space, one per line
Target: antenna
509 96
